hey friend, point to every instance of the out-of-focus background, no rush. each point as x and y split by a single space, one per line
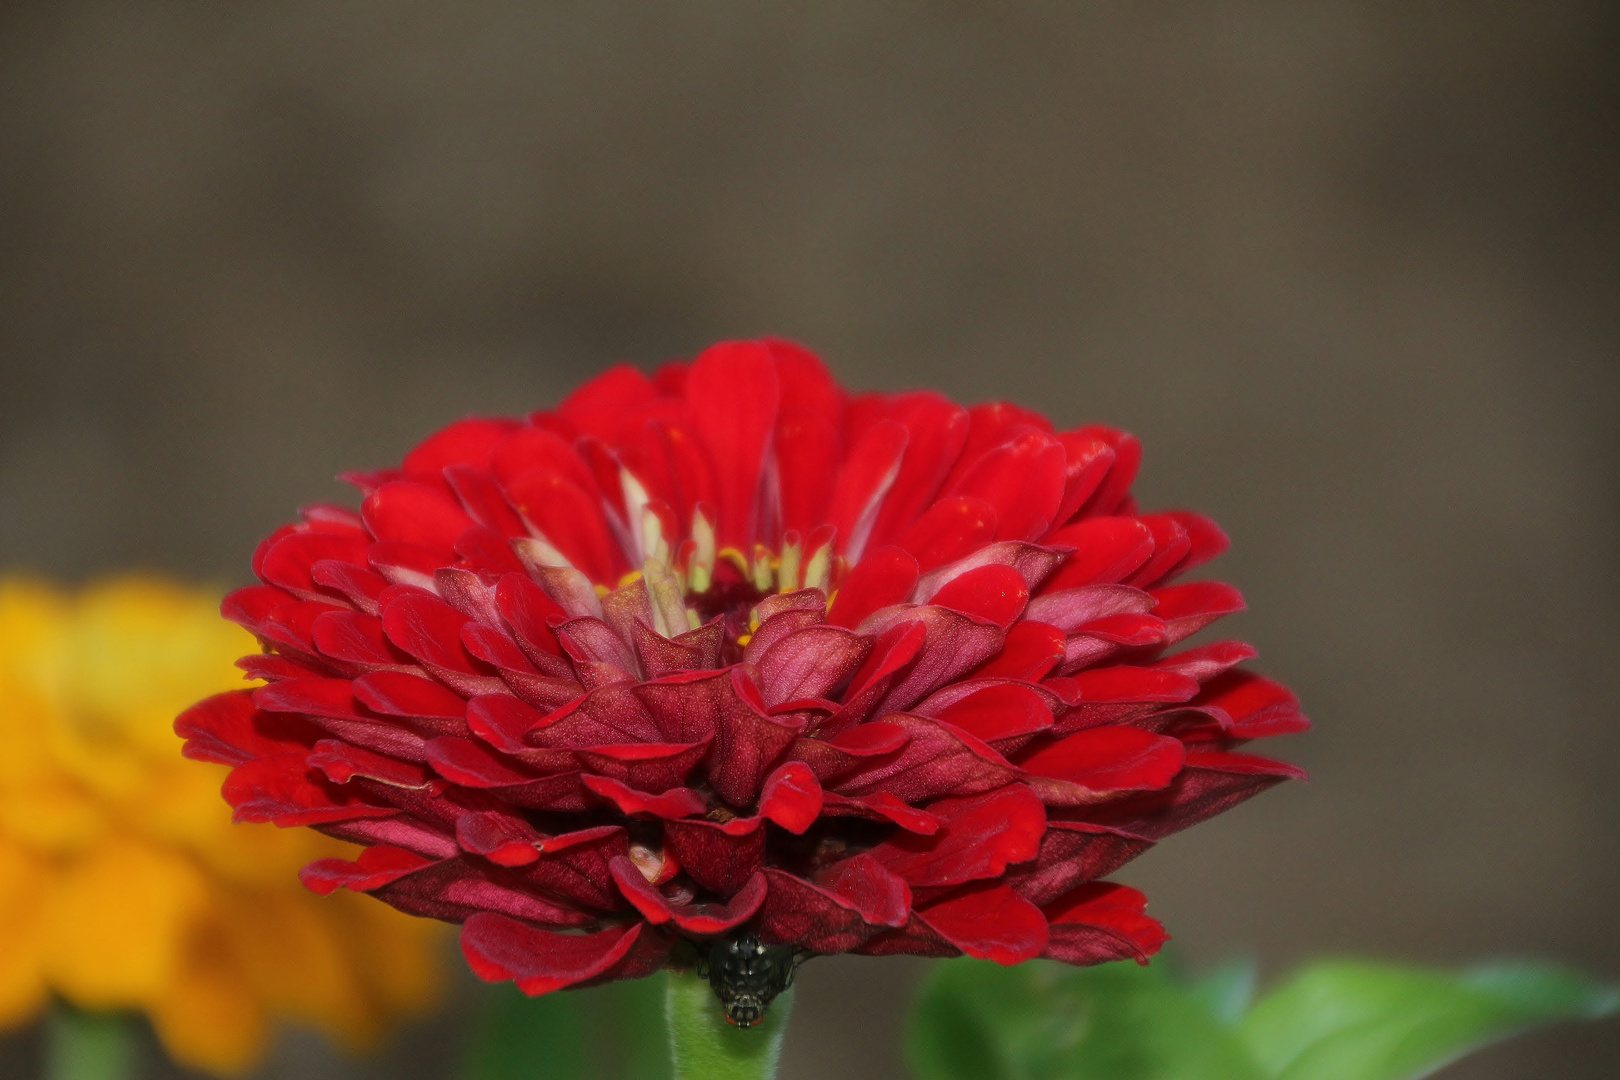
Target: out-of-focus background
1351 270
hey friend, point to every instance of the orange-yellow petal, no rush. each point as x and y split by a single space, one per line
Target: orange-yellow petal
24 882
209 1017
116 922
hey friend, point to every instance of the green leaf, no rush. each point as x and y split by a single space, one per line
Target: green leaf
1041 1021
1353 1020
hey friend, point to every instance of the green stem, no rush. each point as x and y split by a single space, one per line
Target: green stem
89 1046
705 1047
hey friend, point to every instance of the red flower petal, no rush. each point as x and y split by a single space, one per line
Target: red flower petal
983 835
1100 922
791 797
846 904
1094 764
732 395
540 961
406 512
995 594
374 867
718 856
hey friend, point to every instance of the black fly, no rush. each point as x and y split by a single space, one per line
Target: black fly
747 974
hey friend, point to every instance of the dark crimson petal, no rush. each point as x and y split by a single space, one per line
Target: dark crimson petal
459 888
600 655
778 625
1257 706
229 729
502 838
718 856
1207 661
1101 922
870 469
1030 651
894 649
938 759
574 865
1073 853
988 921
606 716
885 576
993 593
465 442
732 395
955 644
880 807
791 797
282 789
849 902
400 830
540 961
982 836
677 802
406 512
1096 764
1209 783
702 920
951 529
724 706
649 767
374 867
849 750
1187 609
810 663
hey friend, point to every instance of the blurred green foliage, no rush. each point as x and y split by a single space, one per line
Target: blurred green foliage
612 1032
1335 1020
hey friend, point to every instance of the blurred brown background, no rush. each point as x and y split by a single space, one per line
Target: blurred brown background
1351 270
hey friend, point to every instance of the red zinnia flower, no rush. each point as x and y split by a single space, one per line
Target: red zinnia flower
728 655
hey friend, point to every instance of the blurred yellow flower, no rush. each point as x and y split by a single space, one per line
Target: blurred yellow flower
123 882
